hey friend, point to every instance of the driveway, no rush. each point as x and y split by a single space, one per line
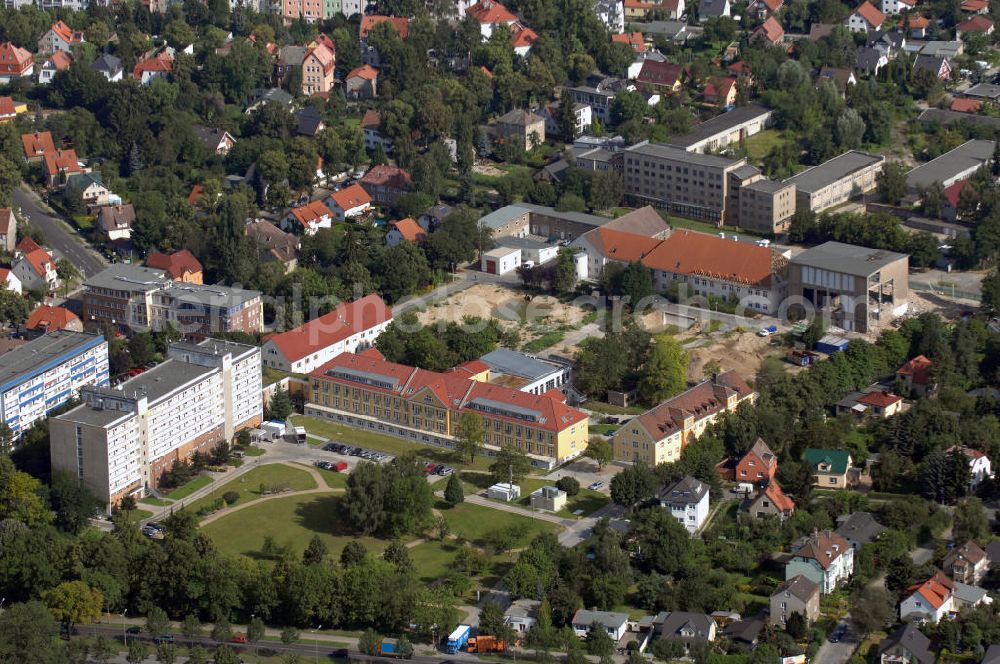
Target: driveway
58 234
839 653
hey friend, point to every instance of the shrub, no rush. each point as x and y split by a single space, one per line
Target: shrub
569 484
231 497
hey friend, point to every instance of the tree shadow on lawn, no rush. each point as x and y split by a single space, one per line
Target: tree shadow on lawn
325 514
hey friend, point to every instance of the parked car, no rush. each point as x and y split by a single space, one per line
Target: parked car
444 471
239 638
596 485
163 638
767 331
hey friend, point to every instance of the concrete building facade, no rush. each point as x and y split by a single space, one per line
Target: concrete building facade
837 181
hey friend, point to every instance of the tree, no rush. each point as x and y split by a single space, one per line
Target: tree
491 618
315 552
102 650
225 655
255 631
599 449
564 275
796 625
222 631
26 632
191 628
871 609
279 407
370 642
891 181
73 504
665 373
166 652
289 635
990 288
353 553
10 178
636 283
971 521
137 651
73 602
453 492
14 309
598 640
633 484
569 484
511 465
470 434
157 622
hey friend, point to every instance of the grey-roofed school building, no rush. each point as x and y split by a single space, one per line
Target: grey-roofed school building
950 118
862 289
952 166
725 129
524 372
836 181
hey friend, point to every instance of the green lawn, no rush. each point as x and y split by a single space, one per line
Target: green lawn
475 522
761 143
588 501
546 340
603 429
254 451
291 521
248 484
153 500
184 491
138 515
433 560
333 479
382 443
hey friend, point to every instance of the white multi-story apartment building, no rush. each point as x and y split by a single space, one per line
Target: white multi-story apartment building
120 441
47 372
687 500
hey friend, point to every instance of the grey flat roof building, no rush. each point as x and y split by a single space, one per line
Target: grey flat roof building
42 353
123 276
816 178
664 151
984 91
948 118
847 258
502 216
952 166
505 360
722 124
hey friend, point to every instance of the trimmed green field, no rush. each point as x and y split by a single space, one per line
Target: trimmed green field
292 522
186 490
248 485
586 501
138 515
333 479
153 500
763 142
475 522
255 451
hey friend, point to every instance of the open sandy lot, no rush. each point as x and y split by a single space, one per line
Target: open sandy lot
737 351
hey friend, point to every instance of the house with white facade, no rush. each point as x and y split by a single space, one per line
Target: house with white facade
825 558
980 468
34 267
616 624
349 202
687 501
9 281
928 601
308 218
349 328
865 18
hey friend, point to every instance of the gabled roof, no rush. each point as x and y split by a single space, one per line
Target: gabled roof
969 552
66 33
915 22
344 321
583 617
620 246
704 255
869 13
386 176
762 453
964 105
772 5
799 586
687 626
519 117
490 12
50 319
776 495
860 527
409 229
6 221
912 640
211 137
720 88
37 257
162 63
685 491
659 73
116 217
107 63
14 59
323 56
62 161
401 24
880 399
37 144
978 23
633 39
838 459
366 72
824 547
60 61
700 401
176 264
371 120
522 35
920 366
7 108
935 590
351 197
771 30
642 221
974 5
310 213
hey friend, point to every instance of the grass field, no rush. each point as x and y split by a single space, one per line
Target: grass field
292 522
587 501
186 490
248 484
138 515
153 500
333 479
763 142
475 522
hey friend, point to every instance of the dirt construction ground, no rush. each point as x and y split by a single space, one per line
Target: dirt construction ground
733 351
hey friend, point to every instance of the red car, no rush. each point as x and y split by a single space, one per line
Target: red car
340 466
239 638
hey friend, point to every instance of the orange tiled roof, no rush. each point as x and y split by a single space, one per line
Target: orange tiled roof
881 399
771 30
916 22
490 11
868 12
161 62
778 497
366 72
176 264
621 246
50 319
310 212
699 402
37 257
14 59
324 56
37 144
935 590
371 120
66 33
633 39
61 161
522 36
351 197
691 253
386 175
975 5
61 60
919 367
400 23
976 24
344 321
409 229
7 108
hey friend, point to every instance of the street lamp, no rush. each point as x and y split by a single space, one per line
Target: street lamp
124 633
316 643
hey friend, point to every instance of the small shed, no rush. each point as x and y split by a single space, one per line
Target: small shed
504 491
501 260
832 343
550 498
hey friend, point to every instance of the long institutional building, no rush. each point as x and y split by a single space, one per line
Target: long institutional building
121 440
660 434
367 391
47 372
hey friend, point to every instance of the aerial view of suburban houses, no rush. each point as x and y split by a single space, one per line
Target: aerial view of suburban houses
607 331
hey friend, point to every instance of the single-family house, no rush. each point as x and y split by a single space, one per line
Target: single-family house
216 140
116 221
967 563
318 66
977 25
8 230
361 83
980 467
371 124
90 187
59 37
522 615
916 372
936 64
859 528
274 244
47 318
181 265
713 9
825 558
9 281
759 464
434 216
369 54
688 628
55 63
660 76
761 9
490 15
917 25
308 218
965 105
385 184
633 40
869 61
8 109
769 32
524 126
796 595
880 403
34 267
61 165
615 624
671 10
404 230
975 6
351 201
158 66
15 62
522 38
310 122
840 76
721 91
108 66
928 601
687 501
772 501
865 18
892 7
964 596
36 145
906 645
830 467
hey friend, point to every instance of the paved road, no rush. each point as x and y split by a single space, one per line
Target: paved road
838 653
58 234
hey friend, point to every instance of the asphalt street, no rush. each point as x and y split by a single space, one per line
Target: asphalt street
58 235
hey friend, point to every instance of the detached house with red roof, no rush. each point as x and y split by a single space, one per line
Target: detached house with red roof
158 66
721 92
15 62
916 375
385 184
371 127
975 25
980 468
490 15
404 230
865 18
825 558
8 230
369 54
633 40
929 601
55 63
772 501
36 145
349 202
10 281
660 76
349 328
641 9
975 6
60 165
49 319
759 464
60 37
34 267
317 70
180 265
308 218
361 83
769 32
965 105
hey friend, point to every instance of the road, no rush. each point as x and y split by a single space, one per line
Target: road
840 652
58 235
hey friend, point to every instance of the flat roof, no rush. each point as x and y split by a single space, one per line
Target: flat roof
578 217
665 151
847 258
948 118
769 186
985 90
813 179
124 276
722 123
530 242
502 216
501 251
966 158
505 360
38 355
210 295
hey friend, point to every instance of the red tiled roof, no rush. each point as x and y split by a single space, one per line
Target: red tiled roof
471 367
738 67
967 451
522 36
372 352
6 221
916 22
60 60
771 30
659 73
66 33
409 229
762 454
633 39
351 197
37 144
161 62
50 319
37 257
346 320
778 497
310 212
824 547
621 246
385 175
935 590
953 191
323 56
14 59
919 367
176 264
974 5
881 399
371 120
691 253
366 72
965 105
700 401
868 12
773 5
62 161
400 23
976 24
7 109
196 193
490 11
720 88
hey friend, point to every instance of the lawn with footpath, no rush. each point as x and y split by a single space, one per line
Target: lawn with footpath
249 485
